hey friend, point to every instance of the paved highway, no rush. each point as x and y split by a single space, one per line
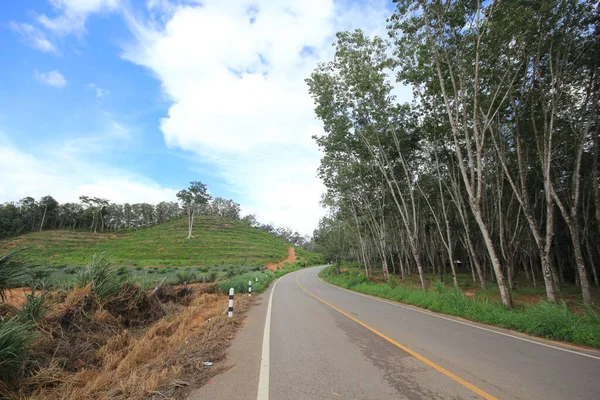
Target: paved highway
318 341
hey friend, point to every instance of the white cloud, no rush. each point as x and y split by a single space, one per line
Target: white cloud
33 37
72 14
236 76
100 92
50 78
66 175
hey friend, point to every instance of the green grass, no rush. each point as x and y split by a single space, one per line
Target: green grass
16 337
216 242
553 321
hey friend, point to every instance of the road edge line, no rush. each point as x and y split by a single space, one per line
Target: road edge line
514 335
263 377
442 370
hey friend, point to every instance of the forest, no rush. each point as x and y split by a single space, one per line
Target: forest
491 169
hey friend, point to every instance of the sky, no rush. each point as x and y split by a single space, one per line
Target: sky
131 100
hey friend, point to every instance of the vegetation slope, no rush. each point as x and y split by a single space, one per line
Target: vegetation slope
216 241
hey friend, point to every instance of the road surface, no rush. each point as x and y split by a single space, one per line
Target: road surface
324 342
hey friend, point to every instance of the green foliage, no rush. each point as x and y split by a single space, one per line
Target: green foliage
392 283
33 309
12 272
15 338
553 321
211 277
102 275
185 276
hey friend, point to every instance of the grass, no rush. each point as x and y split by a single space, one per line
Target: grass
216 242
15 338
543 319
12 271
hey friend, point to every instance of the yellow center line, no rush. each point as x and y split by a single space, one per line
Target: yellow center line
416 355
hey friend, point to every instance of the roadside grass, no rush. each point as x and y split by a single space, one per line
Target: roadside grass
99 299
216 242
543 319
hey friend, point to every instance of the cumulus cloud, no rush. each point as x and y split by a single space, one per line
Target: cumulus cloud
67 174
100 92
33 36
50 78
235 72
72 14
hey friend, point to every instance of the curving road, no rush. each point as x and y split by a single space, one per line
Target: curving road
324 342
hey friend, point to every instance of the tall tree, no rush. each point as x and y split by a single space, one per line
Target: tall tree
191 198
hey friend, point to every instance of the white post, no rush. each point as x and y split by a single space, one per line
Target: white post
230 312
249 288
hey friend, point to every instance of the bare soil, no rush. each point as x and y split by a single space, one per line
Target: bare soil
291 258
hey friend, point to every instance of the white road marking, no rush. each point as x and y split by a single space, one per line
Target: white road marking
263 380
457 321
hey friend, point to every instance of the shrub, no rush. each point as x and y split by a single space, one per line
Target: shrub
101 274
72 270
211 277
12 272
33 309
15 338
185 276
392 282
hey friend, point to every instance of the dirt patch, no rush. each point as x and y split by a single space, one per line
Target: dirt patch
16 296
291 258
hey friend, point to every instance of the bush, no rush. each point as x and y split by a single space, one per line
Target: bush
211 277
102 275
12 272
185 276
15 338
33 309
392 282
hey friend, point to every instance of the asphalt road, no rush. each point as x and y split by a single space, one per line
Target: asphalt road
329 343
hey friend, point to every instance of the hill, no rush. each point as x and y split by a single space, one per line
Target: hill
216 241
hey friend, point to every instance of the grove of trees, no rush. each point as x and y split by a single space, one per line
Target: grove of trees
96 214
494 164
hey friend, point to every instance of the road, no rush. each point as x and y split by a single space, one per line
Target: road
324 342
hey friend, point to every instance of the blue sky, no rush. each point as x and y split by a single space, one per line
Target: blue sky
131 100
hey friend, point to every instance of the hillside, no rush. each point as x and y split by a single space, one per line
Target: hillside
217 241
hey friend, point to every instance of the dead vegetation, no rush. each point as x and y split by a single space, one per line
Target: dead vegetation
130 345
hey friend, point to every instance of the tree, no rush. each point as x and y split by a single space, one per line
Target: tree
191 198
49 207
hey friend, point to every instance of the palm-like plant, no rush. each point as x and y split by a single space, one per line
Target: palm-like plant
12 271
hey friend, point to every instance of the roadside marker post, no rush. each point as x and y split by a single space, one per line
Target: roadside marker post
249 288
230 312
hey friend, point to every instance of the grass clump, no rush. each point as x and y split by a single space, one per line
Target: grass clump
16 337
543 319
33 308
12 272
102 275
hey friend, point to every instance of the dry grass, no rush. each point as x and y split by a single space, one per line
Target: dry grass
90 352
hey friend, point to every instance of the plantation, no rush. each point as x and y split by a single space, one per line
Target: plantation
216 242
571 323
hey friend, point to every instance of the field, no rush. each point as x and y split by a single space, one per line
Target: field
216 242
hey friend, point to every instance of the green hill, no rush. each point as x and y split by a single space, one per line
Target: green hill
217 241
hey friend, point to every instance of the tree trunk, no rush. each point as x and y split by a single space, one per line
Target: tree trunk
43 218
